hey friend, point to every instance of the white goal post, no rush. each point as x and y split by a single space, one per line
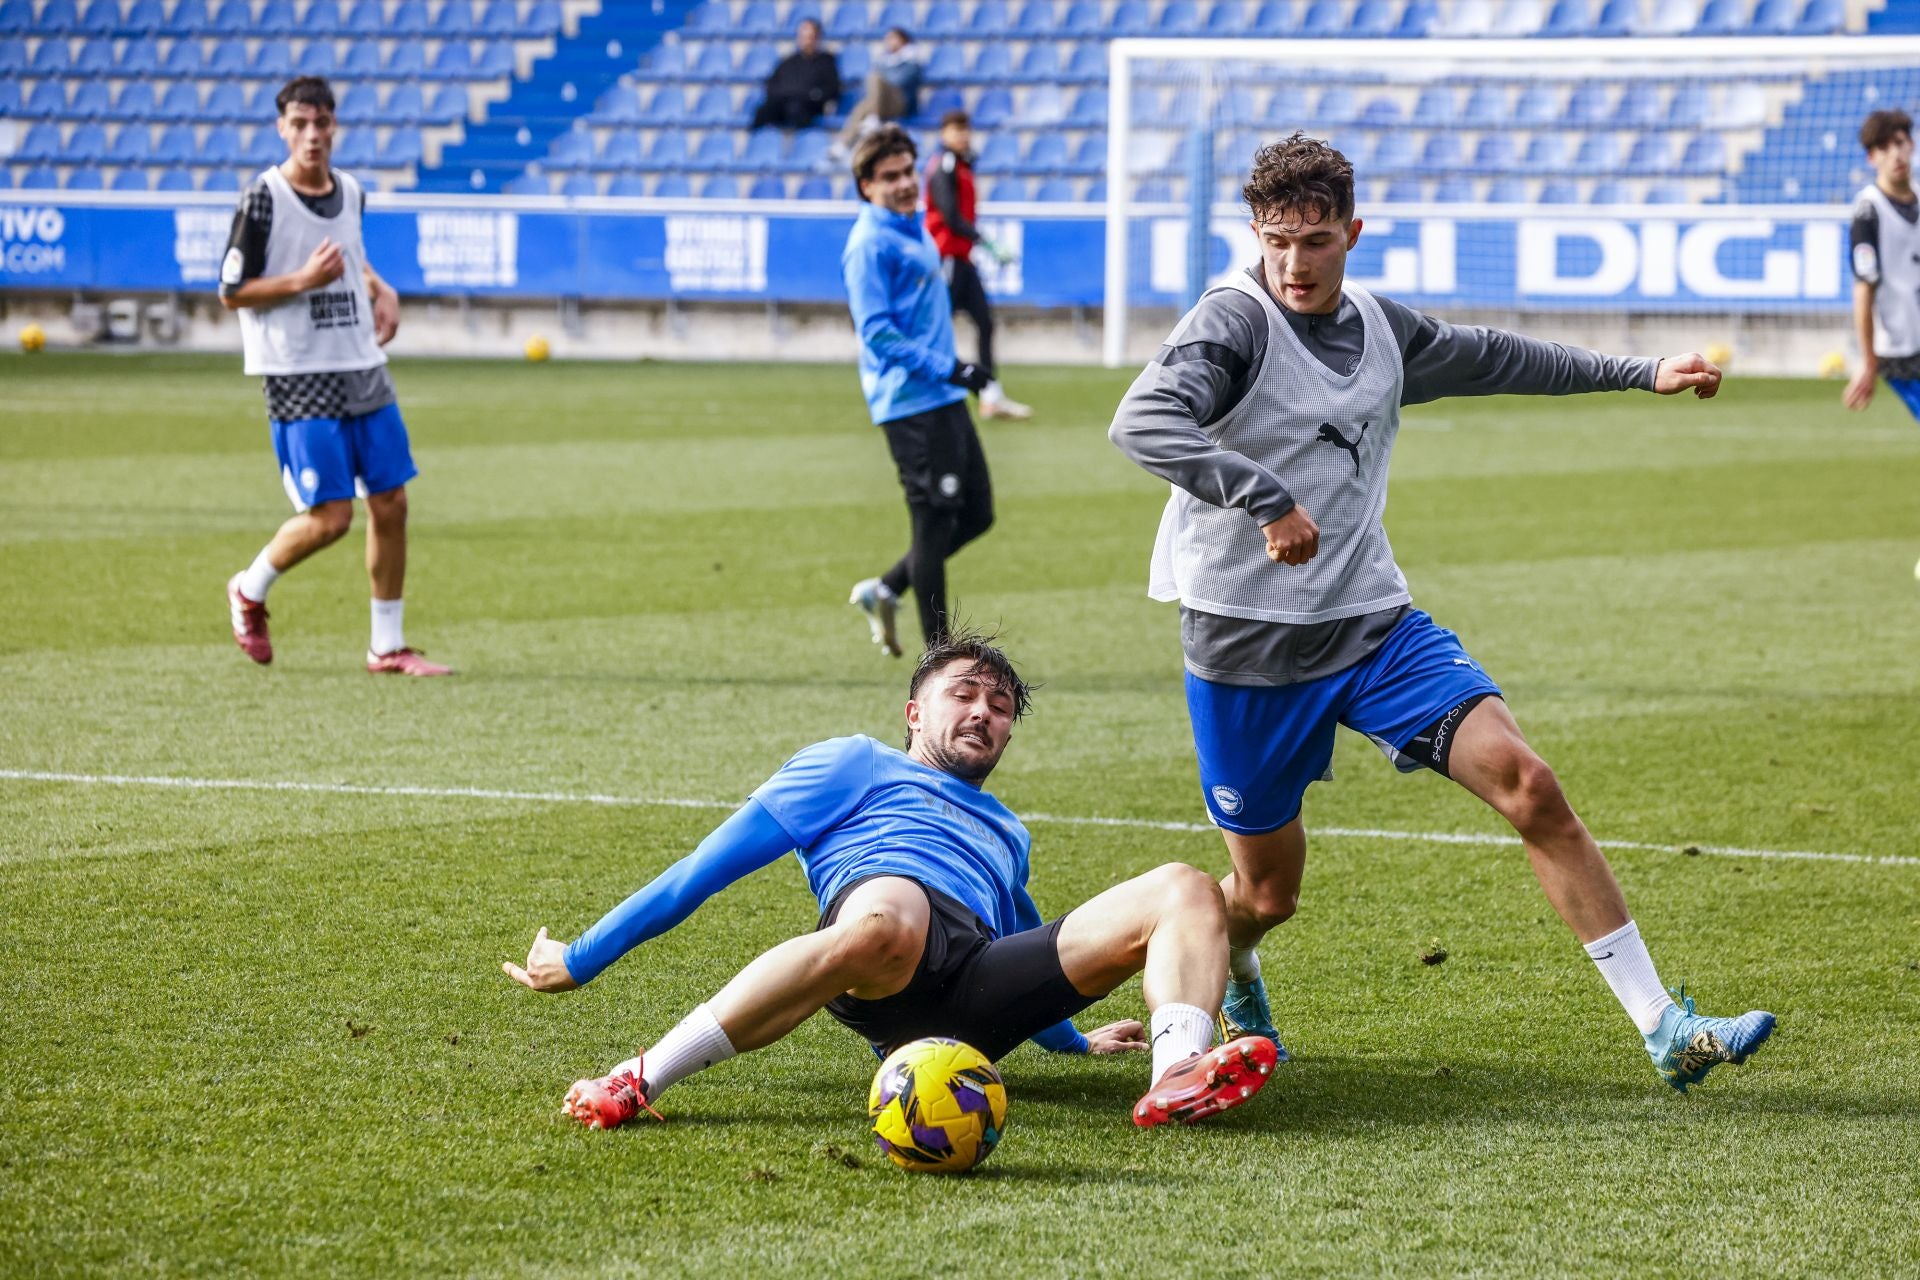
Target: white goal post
1606 178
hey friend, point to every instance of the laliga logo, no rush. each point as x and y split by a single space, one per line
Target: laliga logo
1657 259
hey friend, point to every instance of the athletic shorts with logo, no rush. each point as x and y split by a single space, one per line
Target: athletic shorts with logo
326 459
1908 389
1261 746
940 459
992 993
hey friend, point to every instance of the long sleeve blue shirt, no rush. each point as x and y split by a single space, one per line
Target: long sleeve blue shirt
902 313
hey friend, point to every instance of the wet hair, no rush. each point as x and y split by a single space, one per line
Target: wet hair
884 143
984 659
1882 127
309 91
1300 175
956 116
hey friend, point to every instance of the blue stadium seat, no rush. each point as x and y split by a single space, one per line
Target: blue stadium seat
52 58
1617 18
42 177
140 57
1539 105
897 13
183 59
1820 18
449 105
1001 154
232 18
1487 104
318 58
1373 18
1418 18
366 18
229 58
221 146
43 142
1546 153
1041 64
322 19
1568 18
711 18
618 105
272 60
264 147
1096 192
1035 19
1453 191
502 18
278 19
94 59
1276 18
1506 191
186 18
132 145
1380 111
768 187
404 105
720 186
622 150
1706 153
99 18
668 106
580 184
991 18
993 63
757 63
714 62
406 60
1437 105
1589 105
666 61
1773 18
11 101
1324 18
1722 18
1598 153
1652 153
453 62
1087 64
1084 18
1228 18
669 150
86 178
1494 153
1559 191
1179 18
1643 105
947 65
358 103
672 186
1692 106
1609 192
1391 155
91 100
13 58
58 15
527 183
544 19
176 146
815 187
454 21
1048 153
175 179
764 152
260 102
1089 110
1091 155
410 19
809 148
714 107
716 150
1665 193
401 150
1442 153
143 18
627 184
354 150
855 61
573 149
47 98
1404 191
1130 18
134 179
1008 190
87 144
225 179
1337 105
994 109
1055 191
759 19
849 20
16 17
362 61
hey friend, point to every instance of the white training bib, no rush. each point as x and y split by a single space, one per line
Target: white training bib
1896 295
324 330
1328 436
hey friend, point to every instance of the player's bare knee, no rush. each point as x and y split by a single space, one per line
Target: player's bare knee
1187 892
877 946
1537 806
389 509
1271 903
332 519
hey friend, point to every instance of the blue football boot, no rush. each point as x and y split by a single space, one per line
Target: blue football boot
1245 1012
1686 1045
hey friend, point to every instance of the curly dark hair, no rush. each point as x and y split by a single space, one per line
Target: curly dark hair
1882 127
1300 175
884 143
986 660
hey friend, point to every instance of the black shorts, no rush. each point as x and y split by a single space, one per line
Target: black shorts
991 993
940 459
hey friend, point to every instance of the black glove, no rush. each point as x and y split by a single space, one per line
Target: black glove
969 375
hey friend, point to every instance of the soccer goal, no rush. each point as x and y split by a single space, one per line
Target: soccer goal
1606 189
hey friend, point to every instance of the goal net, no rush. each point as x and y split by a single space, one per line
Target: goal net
1620 193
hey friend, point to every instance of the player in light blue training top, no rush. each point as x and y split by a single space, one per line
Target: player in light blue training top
926 926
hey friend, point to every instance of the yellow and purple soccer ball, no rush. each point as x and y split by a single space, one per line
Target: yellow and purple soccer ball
32 338
938 1106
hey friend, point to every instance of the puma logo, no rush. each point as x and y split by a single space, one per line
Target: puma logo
1331 434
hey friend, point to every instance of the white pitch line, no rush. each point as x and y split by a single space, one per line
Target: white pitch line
675 802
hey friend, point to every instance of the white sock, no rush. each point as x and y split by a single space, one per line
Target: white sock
388 634
694 1045
993 391
258 578
1243 966
1628 969
1179 1031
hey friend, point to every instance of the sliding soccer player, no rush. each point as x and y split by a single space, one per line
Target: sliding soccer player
926 927
314 316
1272 410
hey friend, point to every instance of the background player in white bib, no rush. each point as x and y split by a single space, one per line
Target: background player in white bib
314 316
1886 265
1272 409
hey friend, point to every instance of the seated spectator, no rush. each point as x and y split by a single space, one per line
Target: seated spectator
893 89
804 86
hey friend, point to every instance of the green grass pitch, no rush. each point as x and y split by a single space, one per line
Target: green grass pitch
265 1032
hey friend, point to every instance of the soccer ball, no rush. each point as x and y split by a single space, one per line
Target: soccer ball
32 338
938 1106
537 348
1833 365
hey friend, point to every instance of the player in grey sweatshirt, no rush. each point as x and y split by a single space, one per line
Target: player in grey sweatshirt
1272 410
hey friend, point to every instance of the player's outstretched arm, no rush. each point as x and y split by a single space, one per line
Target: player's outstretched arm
1692 370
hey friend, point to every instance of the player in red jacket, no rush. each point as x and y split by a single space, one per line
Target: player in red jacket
950 206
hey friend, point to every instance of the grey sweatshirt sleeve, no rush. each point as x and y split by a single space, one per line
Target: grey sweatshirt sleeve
1442 359
1199 376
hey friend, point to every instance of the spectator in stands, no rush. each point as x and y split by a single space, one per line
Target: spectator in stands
804 86
950 206
893 91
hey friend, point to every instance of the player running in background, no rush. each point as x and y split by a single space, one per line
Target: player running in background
951 200
1886 265
926 927
313 319
916 388
1272 409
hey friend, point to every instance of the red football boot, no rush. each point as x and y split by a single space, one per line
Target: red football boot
404 662
608 1102
1208 1083
249 623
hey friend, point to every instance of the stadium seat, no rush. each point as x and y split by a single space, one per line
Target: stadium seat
358 103
1609 192
16 17
1589 105
1453 191
764 152
366 18
1380 111
1773 18
1642 105
757 63
318 59
232 18
401 150
183 59
260 103
1518 19
1568 18
272 60
573 149
668 106
1665 193
1041 64
1417 19
714 108
277 18
1437 105
580 184
1442 153
229 58
809 149
621 150
1652 152
1090 157
1089 110
453 62
1404 191
407 60
1084 18
544 19
186 18
1598 153
712 18
1559 191
448 107
354 149
321 19
714 62
1617 19
720 186
1337 105
453 21
1324 18
1055 191
1721 18
142 18
1130 18
669 150
409 19
1393 154
1000 154
815 187
221 146
618 105
91 101
52 58
1692 106
133 144
1539 105
993 64
848 20
715 151
994 109
58 15
1008 190
42 177
1506 191
264 147
1178 18
87 144
177 145
1276 18
527 183
43 142
99 18
626 184
1035 19
1706 153
1546 153
665 61
1821 18
86 178
948 65
1373 18
1047 154
134 179
94 59
404 105
174 180
672 186
768 187
1487 105
760 20
502 18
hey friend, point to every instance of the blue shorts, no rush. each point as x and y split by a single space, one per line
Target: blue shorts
1259 747
1908 389
326 459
